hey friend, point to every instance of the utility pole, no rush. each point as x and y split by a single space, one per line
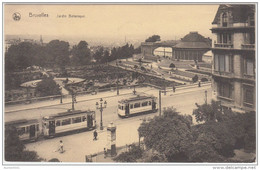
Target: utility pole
160 103
73 99
206 96
117 88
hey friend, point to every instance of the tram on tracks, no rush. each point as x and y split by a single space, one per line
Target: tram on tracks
56 124
139 104
26 129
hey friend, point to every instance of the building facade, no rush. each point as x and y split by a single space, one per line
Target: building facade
191 47
233 48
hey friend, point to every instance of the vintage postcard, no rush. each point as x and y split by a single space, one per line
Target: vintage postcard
139 83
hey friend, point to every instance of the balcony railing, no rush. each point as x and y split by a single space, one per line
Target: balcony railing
222 45
248 46
222 73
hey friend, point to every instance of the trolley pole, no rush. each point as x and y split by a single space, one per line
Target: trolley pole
160 103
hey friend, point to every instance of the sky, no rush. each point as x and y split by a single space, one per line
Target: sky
110 21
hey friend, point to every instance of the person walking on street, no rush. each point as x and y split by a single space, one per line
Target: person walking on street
199 83
95 135
173 88
105 153
61 147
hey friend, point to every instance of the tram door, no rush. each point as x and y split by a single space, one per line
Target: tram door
153 105
52 127
32 131
127 109
89 121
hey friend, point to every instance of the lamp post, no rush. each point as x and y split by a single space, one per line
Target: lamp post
100 106
60 95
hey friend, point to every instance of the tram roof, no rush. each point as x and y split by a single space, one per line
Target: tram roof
135 99
69 113
22 122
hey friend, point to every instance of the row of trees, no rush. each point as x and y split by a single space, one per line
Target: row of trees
173 138
58 54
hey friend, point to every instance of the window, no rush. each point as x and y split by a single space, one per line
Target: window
21 131
251 20
224 38
131 106
58 123
249 67
149 103
145 104
83 118
26 129
224 19
223 63
66 121
225 90
136 105
248 96
76 120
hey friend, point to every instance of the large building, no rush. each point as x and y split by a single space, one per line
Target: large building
191 47
234 63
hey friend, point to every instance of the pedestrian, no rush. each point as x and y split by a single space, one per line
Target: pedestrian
105 153
199 84
173 88
61 147
95 135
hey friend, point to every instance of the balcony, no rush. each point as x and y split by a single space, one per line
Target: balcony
222 73
248 46
223 45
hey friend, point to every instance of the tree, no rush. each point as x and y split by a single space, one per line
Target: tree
15 149
153 38
81 53
134 153
208 112
57 53
47 87
195 78
169 134
172 66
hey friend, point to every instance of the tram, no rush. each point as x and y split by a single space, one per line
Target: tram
31 130
68 121
137 105
26 129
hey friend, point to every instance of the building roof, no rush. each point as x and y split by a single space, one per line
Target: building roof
194 40
136 98
240 13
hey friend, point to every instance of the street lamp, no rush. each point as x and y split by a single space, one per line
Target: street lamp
60 95
101 107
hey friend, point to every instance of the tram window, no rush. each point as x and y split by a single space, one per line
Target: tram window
58 123
83 118
131 106
66 121
144 103
76 120
21 131
149 103
119 106
122 108
136 105
37 127
27 129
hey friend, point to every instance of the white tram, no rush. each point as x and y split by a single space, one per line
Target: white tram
27 129
31 130
137 105
68 121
